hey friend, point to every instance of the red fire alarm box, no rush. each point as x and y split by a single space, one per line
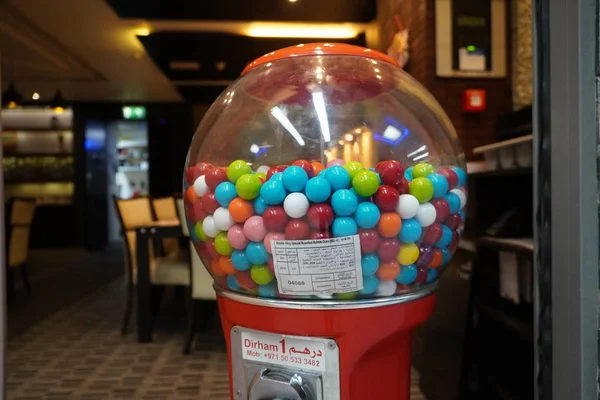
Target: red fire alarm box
474 100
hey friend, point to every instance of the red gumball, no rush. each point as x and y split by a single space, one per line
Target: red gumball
306 166
453 221
391 172
320 216
421 276
369 240
386 198
450 176
455 241
197 171
273 170
296 229
196 212
209 203
210 248
214 177
388 249
442 209
402 187
432 233
316 235
245 280
274 219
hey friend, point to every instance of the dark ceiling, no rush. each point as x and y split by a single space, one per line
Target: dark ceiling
248 10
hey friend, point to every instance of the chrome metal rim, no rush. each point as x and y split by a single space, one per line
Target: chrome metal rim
328 304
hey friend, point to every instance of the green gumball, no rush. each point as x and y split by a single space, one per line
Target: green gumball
261 274
222 245
248 186
199 232
353 167
365 183
236 169
421 188
421 170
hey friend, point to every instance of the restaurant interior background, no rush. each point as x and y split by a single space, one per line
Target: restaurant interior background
102 97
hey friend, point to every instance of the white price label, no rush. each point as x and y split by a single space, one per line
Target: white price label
324 266
284 350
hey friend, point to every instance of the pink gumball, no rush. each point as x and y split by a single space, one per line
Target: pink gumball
271 265
237 238
272 236
254 229
337 161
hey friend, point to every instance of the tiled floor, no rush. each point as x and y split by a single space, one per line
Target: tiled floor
78 353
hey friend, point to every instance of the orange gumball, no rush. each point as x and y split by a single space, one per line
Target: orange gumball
317 167
438 257
240 209
190 195
226 265
215 268
388 271
389 224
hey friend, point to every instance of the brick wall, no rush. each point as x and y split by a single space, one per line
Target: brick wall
418 16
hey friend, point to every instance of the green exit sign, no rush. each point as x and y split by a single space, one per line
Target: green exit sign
134 112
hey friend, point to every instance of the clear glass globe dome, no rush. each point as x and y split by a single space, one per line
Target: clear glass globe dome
325 171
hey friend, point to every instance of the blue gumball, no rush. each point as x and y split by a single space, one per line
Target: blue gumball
259 205
407 275
440 184
294 178
278 176
411 231
240 261
256 253
370 264
337 177
432 275
269 290
453 201
462 176
233 283
378 177
367 215
446 238
344 226
370 285
463 216
225 192
273 192
317 189
343 202
361 199
446 256
408 173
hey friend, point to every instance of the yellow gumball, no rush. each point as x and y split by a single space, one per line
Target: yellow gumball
408 254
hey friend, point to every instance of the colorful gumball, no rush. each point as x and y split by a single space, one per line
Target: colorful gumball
275 170
343 202
365 183
386 198
446 256
463 216
369 264
462 197
426 214
370 285
403 186
237 238
232 283
407 275
336 163
210 227
271 265
320 216
294 179
421 188
367 215
200 186
344 226
462 176
432 275
240 209
437 259
296 229
442 209
275 219
337 177
222 245
269 290
196 171
259 205
239 260
256 253
425 255
263 169
295 205
440 185
248 186
224 193
222 218
453 221
353 167
369 240
245 280
317 189
317 167
446 238
411 231
226 265
408 174
190 195
210 249
269 237
199 232
210 203
261 274
215 268
254 228
214 177
422 275
391 172
422 170
388 249
450 176
386 288
389 224
273 192
236 169
306 166
388 271
315 235
408 254
407 206
432 233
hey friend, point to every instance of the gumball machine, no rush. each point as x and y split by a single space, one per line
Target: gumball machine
325 192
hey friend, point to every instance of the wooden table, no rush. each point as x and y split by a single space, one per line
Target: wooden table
158 230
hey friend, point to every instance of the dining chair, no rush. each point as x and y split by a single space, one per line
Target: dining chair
165 210
202 293
19 217
172 269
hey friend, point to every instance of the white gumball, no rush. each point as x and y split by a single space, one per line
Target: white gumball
426 214
263 168
209 227
200 186
386 288
407 206
222 218
295 205
462 196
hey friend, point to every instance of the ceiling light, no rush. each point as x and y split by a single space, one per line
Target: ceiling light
35 96
11 97
142 31
349 137
302 30
292 1
58 102
341 142
220 65
358 130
